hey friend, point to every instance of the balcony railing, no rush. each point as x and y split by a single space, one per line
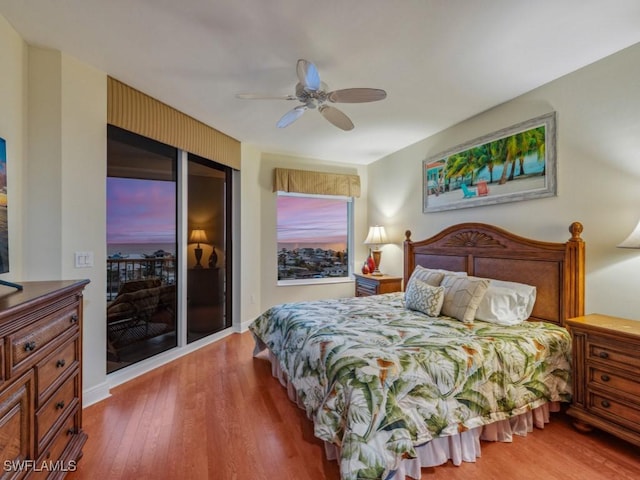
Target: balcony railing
120 270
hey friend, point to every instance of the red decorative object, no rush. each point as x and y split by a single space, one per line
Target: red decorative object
371 263
365 268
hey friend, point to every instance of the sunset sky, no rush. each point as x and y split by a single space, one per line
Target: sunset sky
140 211
144 211
305 220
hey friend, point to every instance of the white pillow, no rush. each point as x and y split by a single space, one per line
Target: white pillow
507 303
424 298
462 296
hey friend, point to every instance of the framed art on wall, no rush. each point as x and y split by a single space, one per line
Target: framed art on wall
512 164
4 230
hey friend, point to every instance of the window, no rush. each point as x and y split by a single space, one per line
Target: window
314 237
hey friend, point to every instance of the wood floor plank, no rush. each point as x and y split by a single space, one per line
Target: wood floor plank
217 413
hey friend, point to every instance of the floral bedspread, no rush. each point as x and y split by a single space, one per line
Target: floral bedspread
378 379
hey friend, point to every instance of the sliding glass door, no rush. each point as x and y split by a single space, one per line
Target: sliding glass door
148 259
209 248
141 248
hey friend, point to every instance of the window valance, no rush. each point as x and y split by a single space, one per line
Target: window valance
315 183
139 113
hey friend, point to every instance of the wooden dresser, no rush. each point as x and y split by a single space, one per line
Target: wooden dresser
606 375
377 284
41 379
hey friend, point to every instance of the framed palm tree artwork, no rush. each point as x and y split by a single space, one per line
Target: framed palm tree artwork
512 164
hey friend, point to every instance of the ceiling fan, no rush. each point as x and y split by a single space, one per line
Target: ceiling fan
313 93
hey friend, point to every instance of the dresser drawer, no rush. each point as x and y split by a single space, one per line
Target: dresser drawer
28 342
614 353
2 368
605 378
377 284
65 358
365 289
615 409
16 420
65 399
52 454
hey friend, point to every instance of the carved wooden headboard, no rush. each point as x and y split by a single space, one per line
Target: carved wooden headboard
555 269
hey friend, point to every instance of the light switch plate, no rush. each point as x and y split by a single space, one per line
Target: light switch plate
83 259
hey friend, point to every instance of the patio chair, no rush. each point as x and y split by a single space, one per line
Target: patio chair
467 192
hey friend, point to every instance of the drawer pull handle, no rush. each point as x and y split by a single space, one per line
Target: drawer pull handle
60 363
603 355
605 378
74 318
71 431
60 405
605 404
29 346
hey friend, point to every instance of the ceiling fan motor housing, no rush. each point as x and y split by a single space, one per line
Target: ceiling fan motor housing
313 93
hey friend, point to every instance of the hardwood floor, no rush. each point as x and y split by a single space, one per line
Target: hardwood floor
219 414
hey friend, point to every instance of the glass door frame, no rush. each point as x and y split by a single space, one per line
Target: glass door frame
183 237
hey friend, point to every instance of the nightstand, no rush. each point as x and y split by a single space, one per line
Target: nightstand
377 284
203 287
606 382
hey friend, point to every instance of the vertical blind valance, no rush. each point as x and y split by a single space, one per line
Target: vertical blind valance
139 113
315 183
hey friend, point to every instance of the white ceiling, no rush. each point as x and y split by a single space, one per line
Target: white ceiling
440 61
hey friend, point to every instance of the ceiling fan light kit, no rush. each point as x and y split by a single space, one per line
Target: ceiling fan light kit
313 93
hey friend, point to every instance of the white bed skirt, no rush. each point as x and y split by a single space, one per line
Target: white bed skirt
464 447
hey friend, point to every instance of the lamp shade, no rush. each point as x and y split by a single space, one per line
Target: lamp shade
633 240
376 236
198 236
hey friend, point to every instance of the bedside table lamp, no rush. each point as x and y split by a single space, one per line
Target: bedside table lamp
633 240
198 236
376 238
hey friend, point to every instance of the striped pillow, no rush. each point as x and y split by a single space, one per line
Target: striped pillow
462 296
427 275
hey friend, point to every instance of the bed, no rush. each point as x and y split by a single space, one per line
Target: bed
392 389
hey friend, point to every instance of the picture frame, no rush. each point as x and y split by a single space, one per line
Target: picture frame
4 228
509 165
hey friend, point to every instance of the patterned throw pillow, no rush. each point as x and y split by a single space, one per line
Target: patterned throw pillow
424 298
462 295
427 275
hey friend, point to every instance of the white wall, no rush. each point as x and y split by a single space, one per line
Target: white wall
66 169
598 155
249 238
54 121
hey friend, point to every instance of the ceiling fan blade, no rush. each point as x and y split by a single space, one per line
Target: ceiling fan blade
308 75
336 117
357 95
291 116
257 96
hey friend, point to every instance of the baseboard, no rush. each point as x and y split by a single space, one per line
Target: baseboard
244 326
95 394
